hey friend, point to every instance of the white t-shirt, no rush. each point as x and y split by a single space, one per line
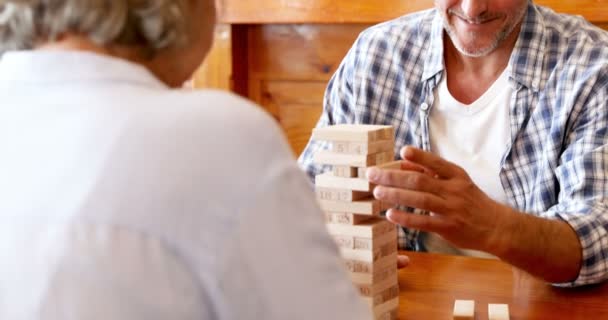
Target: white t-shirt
473 136
122 199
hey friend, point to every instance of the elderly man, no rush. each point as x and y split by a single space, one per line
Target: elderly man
503 107
124 199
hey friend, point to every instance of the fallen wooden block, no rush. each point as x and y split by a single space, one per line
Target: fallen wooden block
464 310
353 132
498 311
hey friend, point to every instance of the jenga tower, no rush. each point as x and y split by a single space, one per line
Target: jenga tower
367 242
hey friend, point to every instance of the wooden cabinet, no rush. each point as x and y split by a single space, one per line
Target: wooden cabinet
281 54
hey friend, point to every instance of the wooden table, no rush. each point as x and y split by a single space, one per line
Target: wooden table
432 282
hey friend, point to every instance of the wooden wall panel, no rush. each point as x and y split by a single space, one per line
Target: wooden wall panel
296 105
306 52
289 67
216 70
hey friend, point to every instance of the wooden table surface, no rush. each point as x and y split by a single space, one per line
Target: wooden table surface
432 282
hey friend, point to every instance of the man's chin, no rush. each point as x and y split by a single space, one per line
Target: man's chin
476 51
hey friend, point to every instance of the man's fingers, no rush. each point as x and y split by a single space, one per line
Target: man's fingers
441 167
412 166
410 198
416 221
409 180
402 261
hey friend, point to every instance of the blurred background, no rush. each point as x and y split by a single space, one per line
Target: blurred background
282 53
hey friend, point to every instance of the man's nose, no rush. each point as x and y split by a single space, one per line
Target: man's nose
474 8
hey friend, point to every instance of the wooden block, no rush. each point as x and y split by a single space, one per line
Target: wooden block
392 165
361 243
370 255
363 148
340 147
345 218
371 267
362 172
384 157
382 297
498 311
377 276
375 243
372 228
372 147
387 307
345 171
391 315
325 157
352 132
345 195
371 206
388 133
327 180
464 310
370 290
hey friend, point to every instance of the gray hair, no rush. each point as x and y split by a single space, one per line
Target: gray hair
151 24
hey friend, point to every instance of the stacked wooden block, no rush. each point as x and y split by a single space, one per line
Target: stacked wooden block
367 241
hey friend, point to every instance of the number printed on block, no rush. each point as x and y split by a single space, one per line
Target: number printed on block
362 243
344 218
380 274
342 195
345 171
371 267
370 290
346 242
340 146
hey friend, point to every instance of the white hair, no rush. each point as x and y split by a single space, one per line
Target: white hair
151 24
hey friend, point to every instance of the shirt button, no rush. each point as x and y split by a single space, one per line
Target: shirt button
424 107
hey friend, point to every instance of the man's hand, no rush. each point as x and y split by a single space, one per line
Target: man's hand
462 213
402 261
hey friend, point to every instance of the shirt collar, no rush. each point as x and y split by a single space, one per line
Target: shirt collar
526 60
528 57
34 67
433 63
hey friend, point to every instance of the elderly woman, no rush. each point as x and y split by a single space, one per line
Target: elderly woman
124 199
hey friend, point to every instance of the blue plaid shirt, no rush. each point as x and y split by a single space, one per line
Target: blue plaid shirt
556 163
